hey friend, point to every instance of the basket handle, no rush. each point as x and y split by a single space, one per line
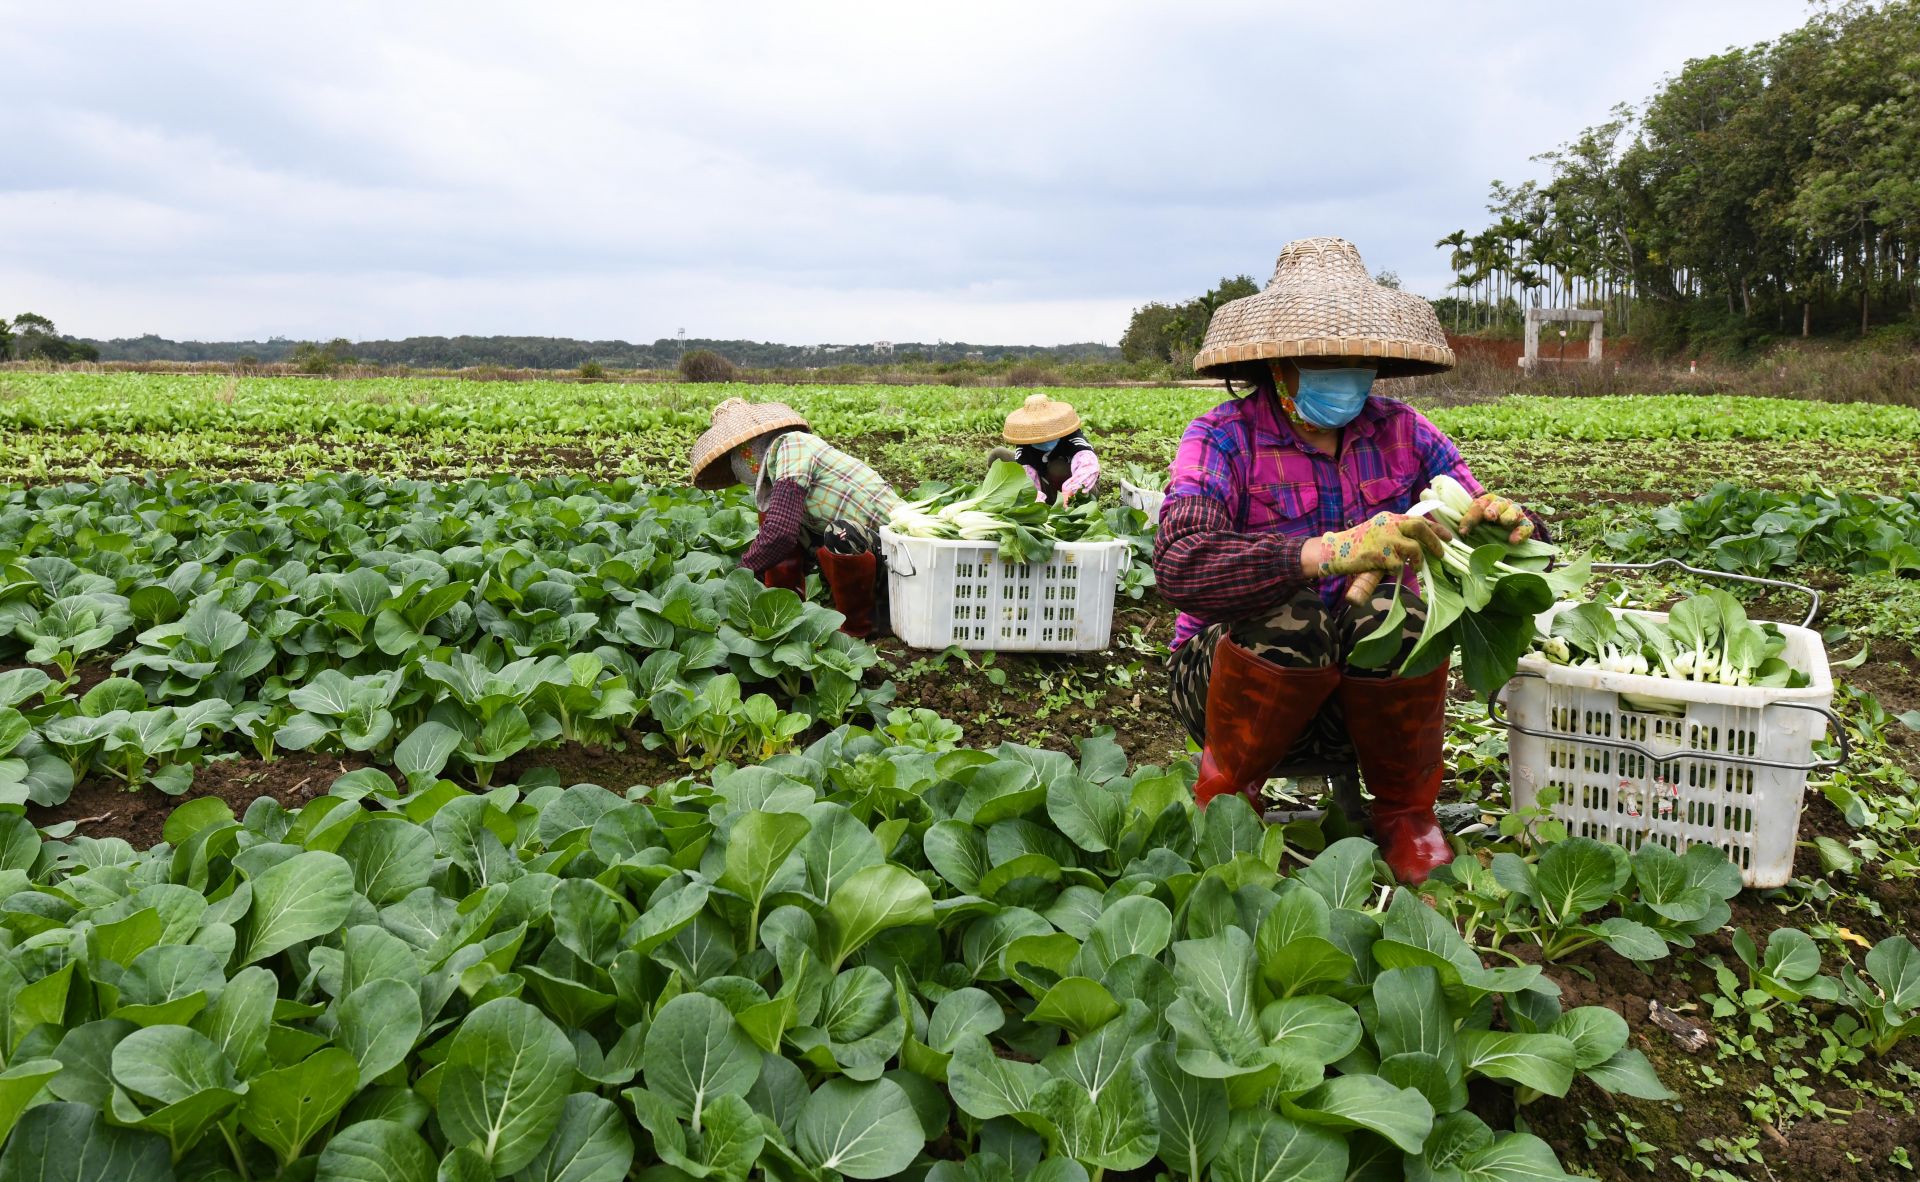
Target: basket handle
1813 596
900 560
1839 730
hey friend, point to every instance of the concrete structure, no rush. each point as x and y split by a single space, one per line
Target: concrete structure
1593 317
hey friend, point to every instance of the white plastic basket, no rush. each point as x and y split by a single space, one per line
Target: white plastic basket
1727 767
945 593
1147 500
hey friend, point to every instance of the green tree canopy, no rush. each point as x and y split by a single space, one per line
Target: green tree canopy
34 338
1770 188
1173 332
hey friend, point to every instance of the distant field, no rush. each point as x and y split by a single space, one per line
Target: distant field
87 426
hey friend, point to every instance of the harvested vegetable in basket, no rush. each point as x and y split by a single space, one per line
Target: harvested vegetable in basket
1707 638
1145 478
1482 595
1003 509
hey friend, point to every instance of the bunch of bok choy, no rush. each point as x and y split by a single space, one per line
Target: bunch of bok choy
1145 476
1481 595
1004 509
1707 638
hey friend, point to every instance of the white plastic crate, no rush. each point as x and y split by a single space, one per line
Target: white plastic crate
945 593
1147 500
1728 769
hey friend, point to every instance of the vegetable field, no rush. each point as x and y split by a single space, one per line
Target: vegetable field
399 781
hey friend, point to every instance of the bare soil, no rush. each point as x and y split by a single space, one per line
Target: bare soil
103 807
1049 700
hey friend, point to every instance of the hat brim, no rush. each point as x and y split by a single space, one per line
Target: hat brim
1022 435
1340 318
1392 359
717 474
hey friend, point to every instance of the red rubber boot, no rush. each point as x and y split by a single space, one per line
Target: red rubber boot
790 573
850 579
1398 726
1256 710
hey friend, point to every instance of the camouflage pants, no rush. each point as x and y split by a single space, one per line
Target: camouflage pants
1302 633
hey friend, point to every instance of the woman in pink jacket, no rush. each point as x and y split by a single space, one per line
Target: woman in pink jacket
1285 511
1047 442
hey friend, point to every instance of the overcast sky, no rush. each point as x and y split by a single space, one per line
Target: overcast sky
995 172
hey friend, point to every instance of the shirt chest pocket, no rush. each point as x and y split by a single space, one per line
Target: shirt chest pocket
1286 506
1393 493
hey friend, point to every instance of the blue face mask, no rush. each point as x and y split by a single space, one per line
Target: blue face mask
1330 398
1047 447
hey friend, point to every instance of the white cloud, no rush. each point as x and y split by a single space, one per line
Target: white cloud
994 171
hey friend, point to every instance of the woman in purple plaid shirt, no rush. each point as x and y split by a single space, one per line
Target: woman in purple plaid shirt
1285 510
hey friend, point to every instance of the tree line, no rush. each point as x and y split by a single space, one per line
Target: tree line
1768 190
32 337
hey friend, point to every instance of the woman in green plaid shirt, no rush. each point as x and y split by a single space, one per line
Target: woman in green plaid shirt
812 497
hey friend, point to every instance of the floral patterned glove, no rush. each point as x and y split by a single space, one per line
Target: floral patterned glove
1383 542
1497 510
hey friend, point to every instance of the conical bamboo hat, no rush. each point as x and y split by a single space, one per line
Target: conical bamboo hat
736 421
1039 419
1322 304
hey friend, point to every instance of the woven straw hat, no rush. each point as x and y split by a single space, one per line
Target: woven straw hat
1039 419
736 421
1322 304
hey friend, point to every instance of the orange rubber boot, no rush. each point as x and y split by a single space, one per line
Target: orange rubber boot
1256 711
1398 726
850 579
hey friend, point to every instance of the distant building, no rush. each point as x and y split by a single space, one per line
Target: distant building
884 348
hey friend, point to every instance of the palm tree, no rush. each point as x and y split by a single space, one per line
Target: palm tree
1466 281
1492 262
1512 233
1525 279
1455 262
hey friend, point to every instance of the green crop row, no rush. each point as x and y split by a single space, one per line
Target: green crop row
132 403
859 961
1754 531
430 625
434 625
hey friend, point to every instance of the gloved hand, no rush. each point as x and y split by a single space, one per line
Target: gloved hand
1086 474
1383 542
1497 510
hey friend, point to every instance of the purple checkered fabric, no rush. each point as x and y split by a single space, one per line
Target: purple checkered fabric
1246 458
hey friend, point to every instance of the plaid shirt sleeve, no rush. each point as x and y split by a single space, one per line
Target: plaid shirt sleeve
1204 464
1200 564
1439 455
1205 569
779 536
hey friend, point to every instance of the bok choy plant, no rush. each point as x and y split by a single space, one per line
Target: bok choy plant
861 961
1482 595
